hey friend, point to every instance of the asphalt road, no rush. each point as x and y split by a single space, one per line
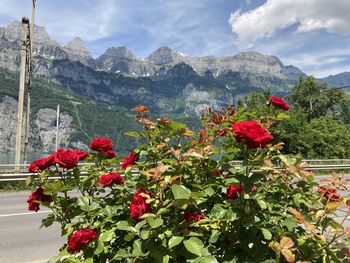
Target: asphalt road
21 240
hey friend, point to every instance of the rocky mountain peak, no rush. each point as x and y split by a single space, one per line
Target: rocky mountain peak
13 31
165 55
76 51
256 56
41 37
76 44
119 53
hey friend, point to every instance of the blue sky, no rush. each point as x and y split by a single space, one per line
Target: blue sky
313 35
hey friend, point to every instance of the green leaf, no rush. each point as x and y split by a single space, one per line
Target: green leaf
124 225
174 125
214 236
166 259
107 236
262 204
48 221
266 233
220 213
71 260
132 134
287 160
194 245
282 116
180 192
290 224
99 248
144 234
206 259
209 191
137 248
122 253
154 223
174 241
87 204
129 236
53 187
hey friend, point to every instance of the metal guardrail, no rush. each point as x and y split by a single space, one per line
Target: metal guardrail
9 176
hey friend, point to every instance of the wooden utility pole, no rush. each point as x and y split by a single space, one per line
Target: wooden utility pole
22 77
28 86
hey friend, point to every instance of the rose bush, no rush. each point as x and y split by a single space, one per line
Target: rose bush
223 194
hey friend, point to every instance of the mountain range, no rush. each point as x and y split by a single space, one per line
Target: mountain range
169 82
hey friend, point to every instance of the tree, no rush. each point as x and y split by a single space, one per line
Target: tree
316 100
324 137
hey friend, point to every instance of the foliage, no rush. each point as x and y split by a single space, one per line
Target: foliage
189 201
318 124
315 99
323 137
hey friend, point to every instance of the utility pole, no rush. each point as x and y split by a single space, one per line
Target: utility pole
28 86
22 76
57 125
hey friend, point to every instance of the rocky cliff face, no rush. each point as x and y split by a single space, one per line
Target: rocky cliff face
76 51
43 128
121 60
257 69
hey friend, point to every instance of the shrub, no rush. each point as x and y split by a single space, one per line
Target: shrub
184 197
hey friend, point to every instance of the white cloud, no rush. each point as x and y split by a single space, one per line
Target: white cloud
320 64
91 20
307 15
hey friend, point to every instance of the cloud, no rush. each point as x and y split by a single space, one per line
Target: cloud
274 15
321 64
94 21
91 20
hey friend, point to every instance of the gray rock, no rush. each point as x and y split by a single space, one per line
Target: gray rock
76 51
43 128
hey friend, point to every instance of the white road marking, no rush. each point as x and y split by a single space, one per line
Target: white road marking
38 261
27 213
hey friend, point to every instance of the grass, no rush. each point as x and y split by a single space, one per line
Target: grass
14 186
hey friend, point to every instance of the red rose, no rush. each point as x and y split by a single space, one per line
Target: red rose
66 158
101 144
329 192
81 154
279 103
109 154
252 134
131 159
41 164
138 205
80 239
254 188
233 191
111 178
38 195
193 217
